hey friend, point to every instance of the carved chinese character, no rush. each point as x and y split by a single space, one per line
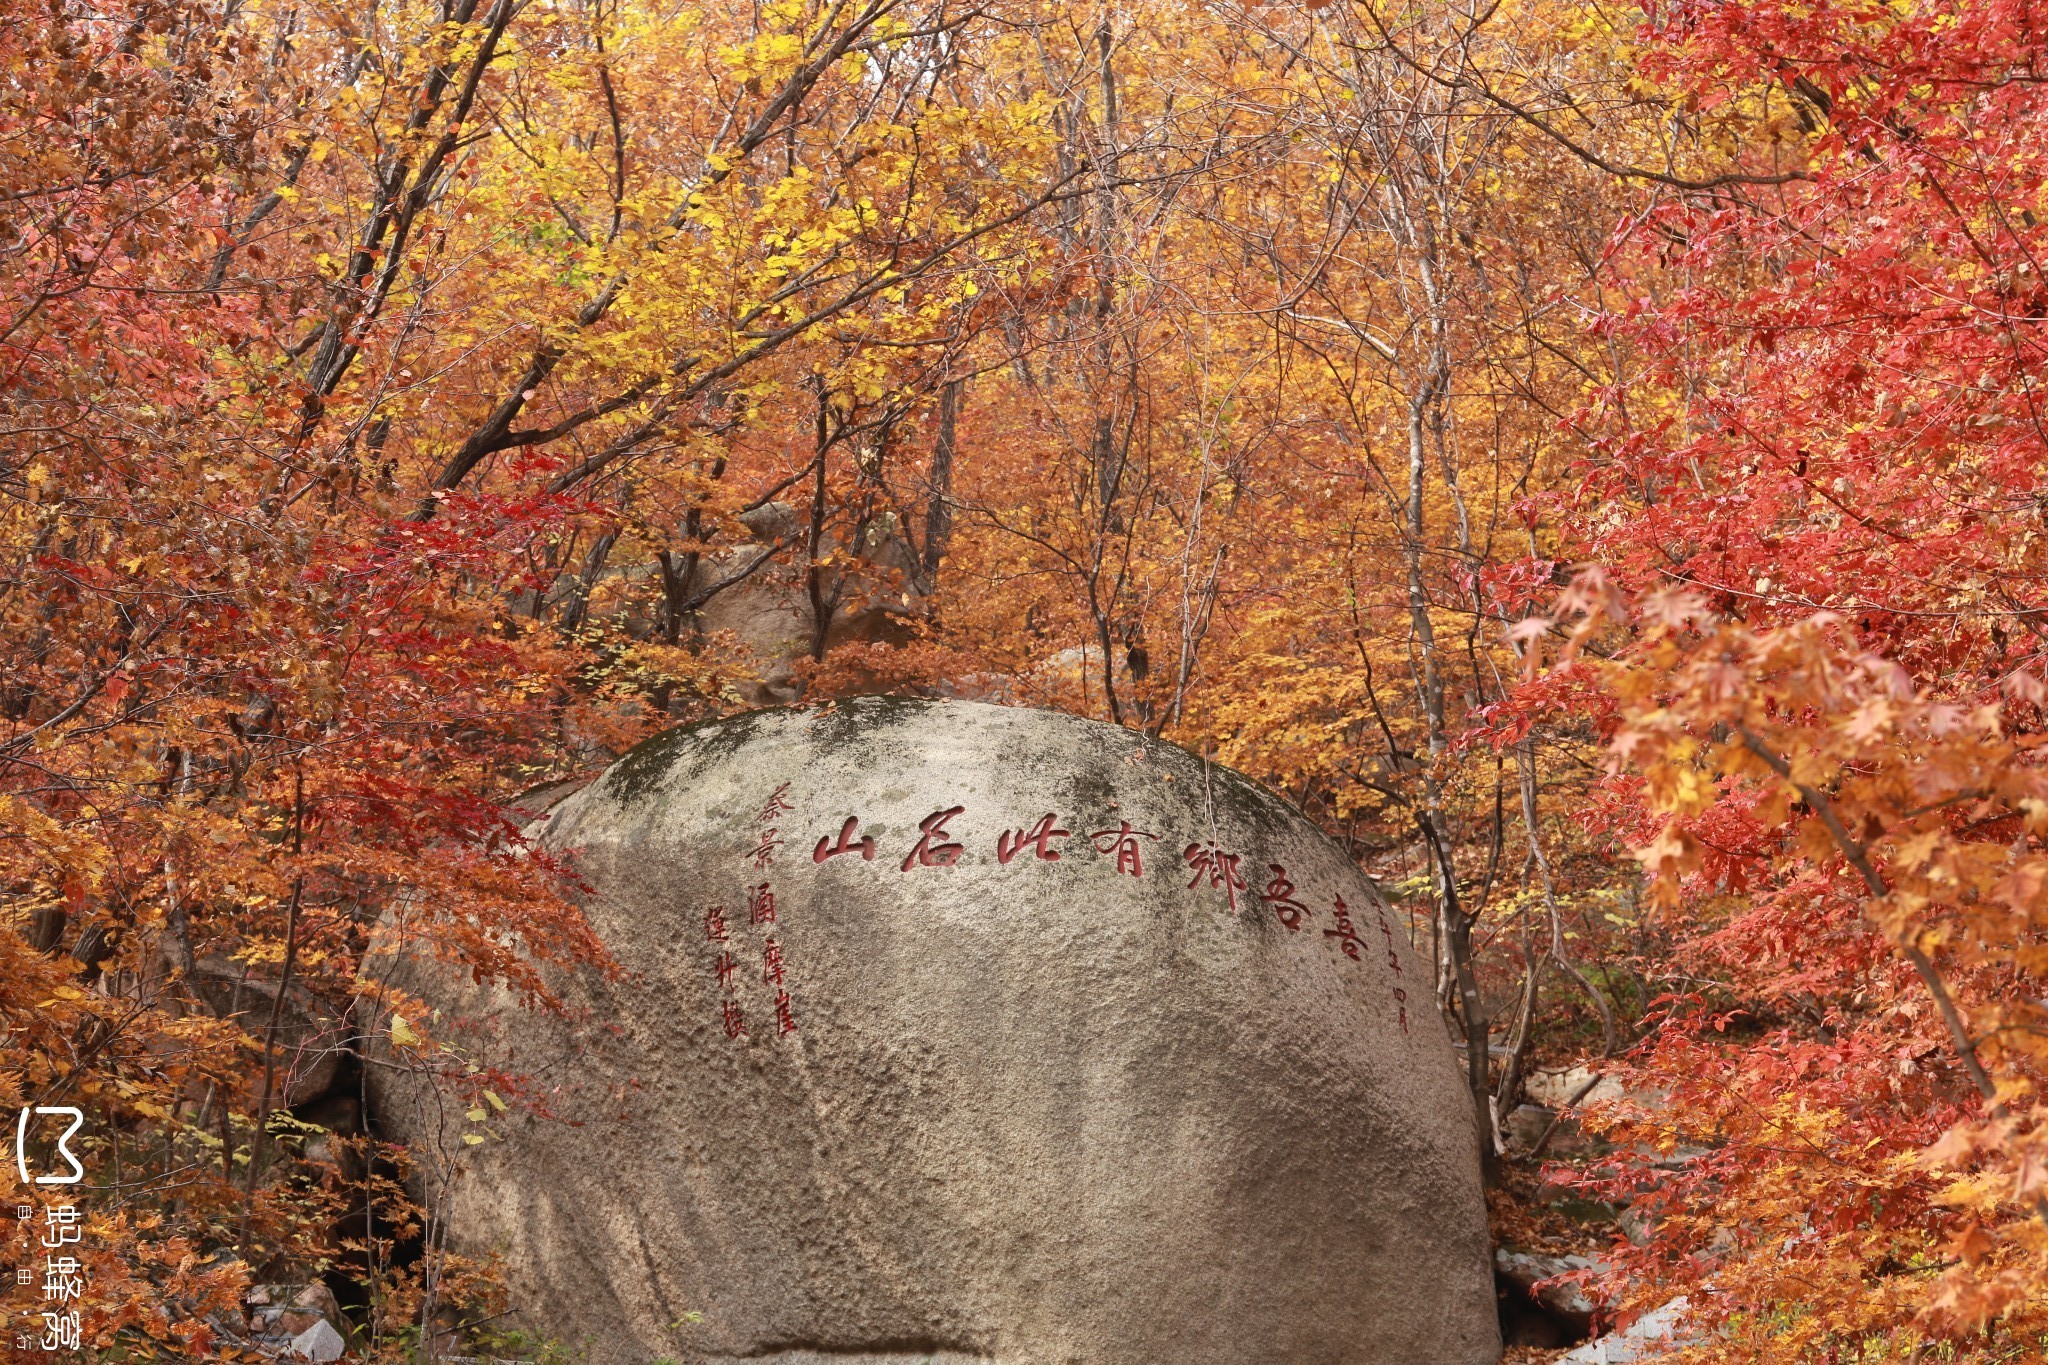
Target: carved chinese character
775 805
1012 842
1393 958
1345 934
764 852
729 1014
714 924
785 1021
761 905
1279 896
932 849
1401 1003
1123 841
724 967
1219 867
846 843
771 963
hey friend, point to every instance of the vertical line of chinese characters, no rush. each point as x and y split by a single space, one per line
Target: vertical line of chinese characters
56 1243
763 914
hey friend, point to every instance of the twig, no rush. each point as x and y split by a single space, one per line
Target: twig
1859 858
1536 1147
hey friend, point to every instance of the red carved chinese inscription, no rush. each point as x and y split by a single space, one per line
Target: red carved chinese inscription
714 924
1038 838
932 848
1279 897
846 843
1394 962
761 909
1393 958
1345 933
1123 841
764 852
1219 867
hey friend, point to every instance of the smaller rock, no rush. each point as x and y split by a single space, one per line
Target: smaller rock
1636 1225
1555 1087
228 1326
1524 1124
1652 1334
320 1342
310 1304
1566 1302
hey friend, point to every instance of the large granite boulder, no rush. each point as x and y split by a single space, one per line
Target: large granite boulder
964 1033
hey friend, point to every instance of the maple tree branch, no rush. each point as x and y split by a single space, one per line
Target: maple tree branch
1543 1139
733 579
402 195
1525 762
1859 858
265 206
496 435
1543 126
886 278
22 741
611 104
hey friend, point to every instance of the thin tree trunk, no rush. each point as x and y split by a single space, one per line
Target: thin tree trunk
1457 931
938 513
593 565
1526 761
814 578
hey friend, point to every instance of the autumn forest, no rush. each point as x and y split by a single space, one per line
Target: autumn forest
1590 460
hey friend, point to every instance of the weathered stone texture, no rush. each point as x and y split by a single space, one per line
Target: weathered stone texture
1031 1112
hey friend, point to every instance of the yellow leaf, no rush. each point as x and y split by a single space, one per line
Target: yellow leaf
401 1032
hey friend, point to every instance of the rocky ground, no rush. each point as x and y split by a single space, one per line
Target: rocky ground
1543 1230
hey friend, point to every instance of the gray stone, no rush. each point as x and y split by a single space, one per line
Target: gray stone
1526 1271
319 1342
1571 1087
1525 1125
1653 1334
1030 1111
310 1039
768 616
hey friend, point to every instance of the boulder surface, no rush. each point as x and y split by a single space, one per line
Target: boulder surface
955 1032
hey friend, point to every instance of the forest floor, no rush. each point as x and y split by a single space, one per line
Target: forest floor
1533 1213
